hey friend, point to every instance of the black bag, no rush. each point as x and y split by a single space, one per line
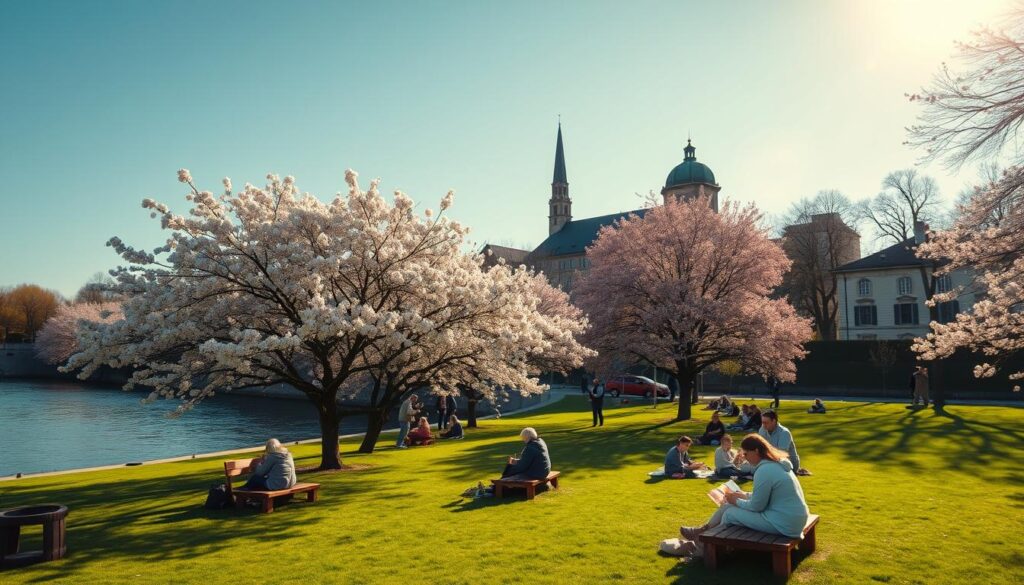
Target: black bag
218 498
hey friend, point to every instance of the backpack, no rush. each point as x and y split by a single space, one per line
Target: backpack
218 498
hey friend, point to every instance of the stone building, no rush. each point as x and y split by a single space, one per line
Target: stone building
562 255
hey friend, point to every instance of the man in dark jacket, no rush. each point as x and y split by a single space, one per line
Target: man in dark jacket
597 402
534 462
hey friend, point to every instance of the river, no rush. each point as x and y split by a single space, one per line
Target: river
51 426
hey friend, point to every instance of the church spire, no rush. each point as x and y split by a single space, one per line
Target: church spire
560 205
559 177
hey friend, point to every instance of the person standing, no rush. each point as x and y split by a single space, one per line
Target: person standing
406 416
775 387
921 385
445 408
597 402
673 388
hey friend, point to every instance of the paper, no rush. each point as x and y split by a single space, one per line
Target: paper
717 495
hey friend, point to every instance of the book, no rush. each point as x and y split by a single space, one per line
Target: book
717 495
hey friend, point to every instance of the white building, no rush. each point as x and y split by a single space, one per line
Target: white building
882 296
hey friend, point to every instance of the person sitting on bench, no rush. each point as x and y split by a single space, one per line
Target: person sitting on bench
729 463
818 407
274 471
534 462
678 464
454 429
776 505
713 431
421 433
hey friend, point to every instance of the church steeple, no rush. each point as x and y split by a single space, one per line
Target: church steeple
560 205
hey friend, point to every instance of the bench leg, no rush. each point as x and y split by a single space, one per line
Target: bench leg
10 537
554 482
53 540
782 565
711 556
810 541
497 490
268 505
531 491
311 496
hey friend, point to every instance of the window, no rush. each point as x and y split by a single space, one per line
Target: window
867 337
864 287
865 315
904 285
905 313
947 311
943 284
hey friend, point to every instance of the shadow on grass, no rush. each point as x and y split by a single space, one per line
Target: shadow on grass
742 566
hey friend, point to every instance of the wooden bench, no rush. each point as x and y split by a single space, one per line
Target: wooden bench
266 498
721 538
528 483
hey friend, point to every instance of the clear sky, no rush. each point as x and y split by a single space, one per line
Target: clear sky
103 101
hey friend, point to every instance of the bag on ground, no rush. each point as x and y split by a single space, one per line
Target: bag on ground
218 498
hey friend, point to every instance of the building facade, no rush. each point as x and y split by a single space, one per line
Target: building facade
882 296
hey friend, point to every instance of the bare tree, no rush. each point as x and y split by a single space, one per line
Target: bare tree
975 114
817 237
97 290
907 197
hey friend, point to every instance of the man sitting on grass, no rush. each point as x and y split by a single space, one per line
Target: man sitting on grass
781 438
678 464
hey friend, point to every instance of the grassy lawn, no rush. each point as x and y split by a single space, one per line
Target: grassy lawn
905 497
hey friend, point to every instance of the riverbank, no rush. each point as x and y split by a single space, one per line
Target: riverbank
546 399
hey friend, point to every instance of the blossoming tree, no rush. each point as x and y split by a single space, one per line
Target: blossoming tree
58 339
976 114
272 286
685 289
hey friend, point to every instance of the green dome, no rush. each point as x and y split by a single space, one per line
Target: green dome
689 171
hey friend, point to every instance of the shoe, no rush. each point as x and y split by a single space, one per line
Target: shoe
403 446
688 548
692 532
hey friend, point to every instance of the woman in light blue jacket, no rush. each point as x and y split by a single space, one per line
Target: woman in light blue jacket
775 506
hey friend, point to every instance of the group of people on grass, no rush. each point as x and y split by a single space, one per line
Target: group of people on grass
728 462
448 423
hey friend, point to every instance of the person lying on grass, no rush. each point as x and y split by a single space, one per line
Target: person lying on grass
818 407
730 463
454 429
421 433
274 471
678 464
776 504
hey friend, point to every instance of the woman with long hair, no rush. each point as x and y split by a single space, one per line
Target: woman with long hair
421 433
776 505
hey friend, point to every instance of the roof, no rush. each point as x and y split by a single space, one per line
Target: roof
559 176
511 255
896 256
575 236
690 171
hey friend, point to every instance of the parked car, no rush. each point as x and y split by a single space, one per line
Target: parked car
635 386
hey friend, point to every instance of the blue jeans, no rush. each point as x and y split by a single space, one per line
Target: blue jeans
403 430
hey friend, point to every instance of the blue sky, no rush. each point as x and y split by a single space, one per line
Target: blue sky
104 101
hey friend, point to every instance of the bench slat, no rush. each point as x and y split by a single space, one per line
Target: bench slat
297 488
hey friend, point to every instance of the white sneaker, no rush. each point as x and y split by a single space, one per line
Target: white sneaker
403 446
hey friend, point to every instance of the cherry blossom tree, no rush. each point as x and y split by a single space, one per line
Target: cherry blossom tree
58 339
685 289
272 286
975 114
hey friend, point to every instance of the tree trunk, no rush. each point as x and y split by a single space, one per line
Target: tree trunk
330 455
684 409
695 391
471 412
374 425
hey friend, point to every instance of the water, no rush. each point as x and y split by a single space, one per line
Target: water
50 426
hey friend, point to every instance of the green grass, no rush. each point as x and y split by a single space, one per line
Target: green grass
905 497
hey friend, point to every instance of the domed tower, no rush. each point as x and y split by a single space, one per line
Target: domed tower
691 179
560 205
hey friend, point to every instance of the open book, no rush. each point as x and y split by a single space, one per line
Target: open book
717 495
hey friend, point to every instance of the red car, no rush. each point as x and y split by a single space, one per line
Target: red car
635 386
